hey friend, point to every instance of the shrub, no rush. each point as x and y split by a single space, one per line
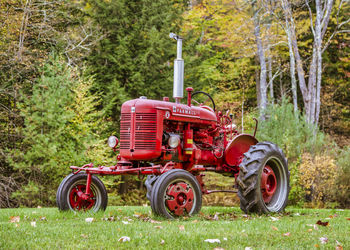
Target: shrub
318 177
343 183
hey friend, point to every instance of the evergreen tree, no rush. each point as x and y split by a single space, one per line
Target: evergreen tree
135 56
61 129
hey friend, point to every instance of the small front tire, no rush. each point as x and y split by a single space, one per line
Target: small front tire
67 197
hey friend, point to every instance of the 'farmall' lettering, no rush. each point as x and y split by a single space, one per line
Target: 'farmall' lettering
183 111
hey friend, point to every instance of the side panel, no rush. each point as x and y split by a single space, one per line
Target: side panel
237 147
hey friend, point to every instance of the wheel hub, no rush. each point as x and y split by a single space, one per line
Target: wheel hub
179 198
268 184
79 200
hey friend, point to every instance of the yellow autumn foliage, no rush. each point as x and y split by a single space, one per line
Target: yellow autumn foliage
318 177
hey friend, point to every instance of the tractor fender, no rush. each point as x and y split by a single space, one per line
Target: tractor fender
237 147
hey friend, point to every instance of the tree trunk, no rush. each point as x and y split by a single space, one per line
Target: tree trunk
262 61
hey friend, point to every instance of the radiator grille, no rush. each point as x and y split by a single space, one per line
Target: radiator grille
125 127
145 131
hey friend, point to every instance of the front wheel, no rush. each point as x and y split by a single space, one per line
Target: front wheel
69 194
263 180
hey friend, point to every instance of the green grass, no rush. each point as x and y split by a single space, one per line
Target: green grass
66 230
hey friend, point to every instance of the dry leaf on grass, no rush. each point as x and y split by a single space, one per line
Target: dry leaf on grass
33 224
162 242
219 248
274 218
125 222
182 228
84 236
124 239
89 220
324 240
158 227
15 219
248 248
339 246
287 234
322 223
274 228
212 240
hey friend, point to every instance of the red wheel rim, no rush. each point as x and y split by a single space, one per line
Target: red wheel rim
268 184
77 200
179 198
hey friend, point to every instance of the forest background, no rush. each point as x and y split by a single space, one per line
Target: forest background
67 66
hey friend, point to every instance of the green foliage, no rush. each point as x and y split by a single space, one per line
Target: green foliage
343 190
290 131
61 129
135 55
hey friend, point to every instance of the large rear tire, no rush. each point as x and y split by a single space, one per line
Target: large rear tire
263 180
67 196
176 193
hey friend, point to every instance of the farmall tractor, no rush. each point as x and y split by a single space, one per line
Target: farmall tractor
173 144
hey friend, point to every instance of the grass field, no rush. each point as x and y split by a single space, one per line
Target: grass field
44 228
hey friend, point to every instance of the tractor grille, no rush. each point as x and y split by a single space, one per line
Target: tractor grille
145 131
125 128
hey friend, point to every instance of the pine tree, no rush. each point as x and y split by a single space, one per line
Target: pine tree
61 129
135 56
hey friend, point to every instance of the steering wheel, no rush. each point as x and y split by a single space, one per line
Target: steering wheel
209 98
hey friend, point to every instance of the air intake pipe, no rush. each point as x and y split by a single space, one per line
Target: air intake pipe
178 88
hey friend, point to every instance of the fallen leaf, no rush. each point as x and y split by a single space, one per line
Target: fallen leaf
15 219
287 234
219 248
158 227
274 228
145 205
155 221
322 223
195 221
216 216
348 218
125 222
33 223
84 236
212 240
124 239
162 242
182 228
324 240
274 218
89 220
297 214
339 246
224 238
316 245
39 207
309 230
43 218
248 248
16 225
137 215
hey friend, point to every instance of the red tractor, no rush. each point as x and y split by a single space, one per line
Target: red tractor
174 143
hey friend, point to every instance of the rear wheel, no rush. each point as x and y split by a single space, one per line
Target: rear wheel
176 193
263 180
70 194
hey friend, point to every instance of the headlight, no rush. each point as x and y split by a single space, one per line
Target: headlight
174 141
112 141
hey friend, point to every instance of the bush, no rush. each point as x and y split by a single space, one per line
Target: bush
318 177
343 183
290 131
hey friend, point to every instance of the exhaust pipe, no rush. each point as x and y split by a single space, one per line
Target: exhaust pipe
178 88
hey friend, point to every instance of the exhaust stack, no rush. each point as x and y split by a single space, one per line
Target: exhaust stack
178 88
